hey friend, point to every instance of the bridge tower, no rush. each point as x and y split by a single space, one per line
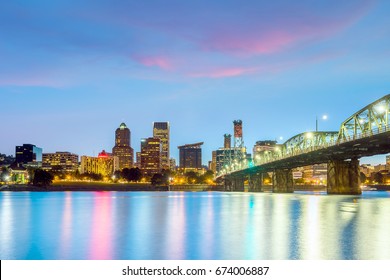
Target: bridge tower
239 149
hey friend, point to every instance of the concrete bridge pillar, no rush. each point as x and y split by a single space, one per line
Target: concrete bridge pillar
238 183
228 183
255 182
343 177
282 181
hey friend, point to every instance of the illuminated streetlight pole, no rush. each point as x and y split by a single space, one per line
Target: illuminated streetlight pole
324 117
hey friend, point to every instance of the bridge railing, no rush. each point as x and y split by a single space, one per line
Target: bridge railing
280 155
274 156
372 132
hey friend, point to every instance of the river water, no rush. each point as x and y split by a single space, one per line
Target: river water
193 225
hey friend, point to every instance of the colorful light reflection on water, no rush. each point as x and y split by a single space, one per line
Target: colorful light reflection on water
189 225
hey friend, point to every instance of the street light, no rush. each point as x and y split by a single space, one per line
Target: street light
324 117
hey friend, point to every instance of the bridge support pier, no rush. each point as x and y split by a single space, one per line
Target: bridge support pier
234 183
255 182
238 184
228 183
282 181
343 177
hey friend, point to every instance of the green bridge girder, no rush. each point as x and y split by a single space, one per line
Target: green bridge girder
371 120
301 143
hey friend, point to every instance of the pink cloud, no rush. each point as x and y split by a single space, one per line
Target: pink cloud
224 73
261 37
270 42
159 61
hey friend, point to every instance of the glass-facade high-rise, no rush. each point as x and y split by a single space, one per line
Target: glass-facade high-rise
161 131
28 154
122 148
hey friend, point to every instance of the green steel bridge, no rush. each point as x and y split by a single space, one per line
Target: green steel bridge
365 133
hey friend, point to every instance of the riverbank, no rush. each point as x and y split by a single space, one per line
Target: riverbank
99 186
380 187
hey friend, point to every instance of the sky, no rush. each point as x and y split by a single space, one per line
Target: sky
72 71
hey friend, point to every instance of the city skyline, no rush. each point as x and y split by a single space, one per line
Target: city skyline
71 74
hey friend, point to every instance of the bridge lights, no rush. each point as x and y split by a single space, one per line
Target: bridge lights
309 135
380 109
257 159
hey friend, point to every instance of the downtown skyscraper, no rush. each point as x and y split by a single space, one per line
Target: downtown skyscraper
161 131
122 148
150 156
190 157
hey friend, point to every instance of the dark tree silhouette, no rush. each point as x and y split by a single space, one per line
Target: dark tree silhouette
378 177
206 177
157 179
192 177
92 176
4 173
132 174
135 174
126 174
117 175
42 178
363 177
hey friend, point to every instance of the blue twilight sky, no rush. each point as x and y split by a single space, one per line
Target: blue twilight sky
72 71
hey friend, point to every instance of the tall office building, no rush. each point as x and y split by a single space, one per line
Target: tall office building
220 156
66 161
190 157
122 148
150 156
104 164
213 165
261 146
28 154
161 131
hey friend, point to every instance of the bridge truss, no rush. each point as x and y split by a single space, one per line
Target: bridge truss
301 143
369 121
372 119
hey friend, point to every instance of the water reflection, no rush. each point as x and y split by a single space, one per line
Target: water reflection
66 228
102 231
205 225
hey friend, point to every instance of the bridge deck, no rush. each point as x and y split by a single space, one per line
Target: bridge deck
362 147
